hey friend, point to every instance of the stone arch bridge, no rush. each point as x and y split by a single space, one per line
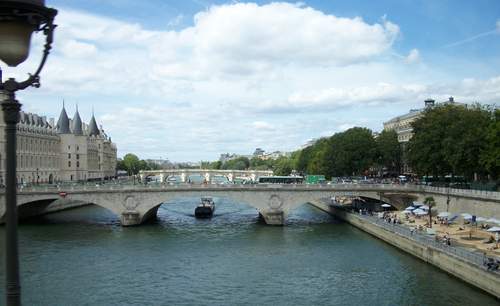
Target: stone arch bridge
136 204
231 175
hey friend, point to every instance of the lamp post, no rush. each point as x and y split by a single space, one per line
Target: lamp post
18 20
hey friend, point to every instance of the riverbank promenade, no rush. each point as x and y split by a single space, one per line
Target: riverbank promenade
465 263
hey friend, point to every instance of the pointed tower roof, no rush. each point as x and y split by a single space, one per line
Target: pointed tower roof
93 129
77 123
63 122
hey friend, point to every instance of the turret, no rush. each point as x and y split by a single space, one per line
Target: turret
63 122
77 124
93 129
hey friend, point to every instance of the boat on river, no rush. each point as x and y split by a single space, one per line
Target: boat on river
205 209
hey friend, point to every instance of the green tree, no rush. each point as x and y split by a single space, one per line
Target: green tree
283 166
120 165
352 152
216 165
257 163
211 165
143 165
389 151
317 163
490 157
131 163
205 165
449 139
240 163
302 159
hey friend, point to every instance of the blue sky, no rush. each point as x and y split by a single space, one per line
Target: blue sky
188 80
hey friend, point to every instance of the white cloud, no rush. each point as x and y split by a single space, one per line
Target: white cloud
242 76
286 33
345 126
262 125
238 40
77 49
175 21
334 97
413 56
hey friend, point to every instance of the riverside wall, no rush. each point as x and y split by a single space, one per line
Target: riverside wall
454 265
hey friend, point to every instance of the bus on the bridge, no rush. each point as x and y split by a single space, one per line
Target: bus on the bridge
281 180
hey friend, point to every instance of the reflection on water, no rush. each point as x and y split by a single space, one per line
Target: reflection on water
84 257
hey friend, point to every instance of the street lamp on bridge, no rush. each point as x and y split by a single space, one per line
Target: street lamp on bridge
18 20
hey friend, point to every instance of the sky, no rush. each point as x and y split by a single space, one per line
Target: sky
189 80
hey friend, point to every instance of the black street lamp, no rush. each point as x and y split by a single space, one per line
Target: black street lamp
18 20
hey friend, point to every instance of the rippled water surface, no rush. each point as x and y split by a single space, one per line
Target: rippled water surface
83 257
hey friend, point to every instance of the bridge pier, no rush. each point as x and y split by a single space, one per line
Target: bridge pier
130 218
273 217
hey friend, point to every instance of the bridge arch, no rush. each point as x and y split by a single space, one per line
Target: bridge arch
273 205
135 204
30 208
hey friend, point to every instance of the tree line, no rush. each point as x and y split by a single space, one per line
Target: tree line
132 164
458 141
448 139
349 153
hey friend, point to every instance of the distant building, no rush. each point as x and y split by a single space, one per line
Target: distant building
68 151
275 155
258 152
227 156
402 124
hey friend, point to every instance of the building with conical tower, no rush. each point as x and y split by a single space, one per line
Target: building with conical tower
67 151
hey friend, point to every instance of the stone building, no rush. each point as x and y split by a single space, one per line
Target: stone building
68 151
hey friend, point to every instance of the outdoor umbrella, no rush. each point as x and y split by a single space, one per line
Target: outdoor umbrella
385 205
416 204
493 220
494 229
419 212
466 216
480 219
410 208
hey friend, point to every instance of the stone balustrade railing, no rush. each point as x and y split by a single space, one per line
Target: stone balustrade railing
407 188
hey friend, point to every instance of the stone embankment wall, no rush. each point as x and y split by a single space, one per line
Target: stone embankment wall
472 274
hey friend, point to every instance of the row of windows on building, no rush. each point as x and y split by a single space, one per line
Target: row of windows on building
77 156
37 145
27 161
77 164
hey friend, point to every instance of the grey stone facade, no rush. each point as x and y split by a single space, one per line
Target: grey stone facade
68 151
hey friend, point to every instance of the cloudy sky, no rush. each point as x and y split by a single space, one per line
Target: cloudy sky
189 80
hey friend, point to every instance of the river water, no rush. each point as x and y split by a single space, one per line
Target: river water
84 257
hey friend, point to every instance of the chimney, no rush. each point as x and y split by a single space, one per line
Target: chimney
429 103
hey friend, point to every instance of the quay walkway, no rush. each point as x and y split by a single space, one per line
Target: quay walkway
465 264
473 257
